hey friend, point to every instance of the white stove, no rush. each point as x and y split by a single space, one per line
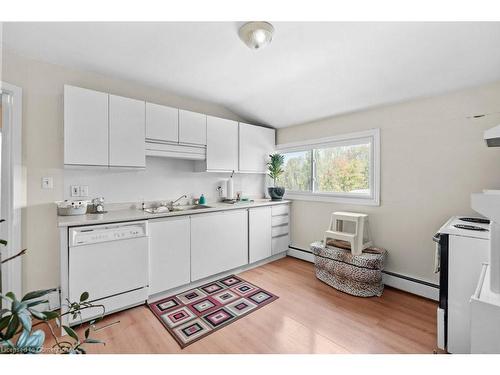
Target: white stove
462 246
467 226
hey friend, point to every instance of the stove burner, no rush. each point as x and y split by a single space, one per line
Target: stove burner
470 227
477 220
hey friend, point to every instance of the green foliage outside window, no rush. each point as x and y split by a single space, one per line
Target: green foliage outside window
340 169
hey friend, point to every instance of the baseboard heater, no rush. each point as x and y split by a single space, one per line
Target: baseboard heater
406 283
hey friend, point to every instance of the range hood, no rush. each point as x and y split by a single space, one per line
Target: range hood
492 136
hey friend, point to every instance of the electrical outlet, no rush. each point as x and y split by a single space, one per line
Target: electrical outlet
84 191
47 183
75 190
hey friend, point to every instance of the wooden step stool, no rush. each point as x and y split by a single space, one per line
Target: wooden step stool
359 240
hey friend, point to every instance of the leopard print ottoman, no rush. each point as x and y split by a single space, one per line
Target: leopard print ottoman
359 275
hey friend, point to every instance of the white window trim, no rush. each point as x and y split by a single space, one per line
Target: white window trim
346 198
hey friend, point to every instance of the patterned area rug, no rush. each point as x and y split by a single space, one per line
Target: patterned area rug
196 313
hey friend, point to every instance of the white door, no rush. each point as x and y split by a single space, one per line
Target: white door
192 127
259 233
219 242
222 144
162 123
85 127
126 132
170 254
256 143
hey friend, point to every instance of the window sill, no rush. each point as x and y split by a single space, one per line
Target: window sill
316 197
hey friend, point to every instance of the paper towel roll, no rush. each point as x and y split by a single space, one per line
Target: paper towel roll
229 188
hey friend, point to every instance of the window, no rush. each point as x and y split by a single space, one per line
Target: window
337 169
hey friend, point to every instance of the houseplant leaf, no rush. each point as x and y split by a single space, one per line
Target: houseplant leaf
84 296
12 327
71 332
37 294
37 314
25 319
49 315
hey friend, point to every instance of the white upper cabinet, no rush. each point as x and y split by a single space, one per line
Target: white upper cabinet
192 127
85 127
162 123
256 143
222 144
126 132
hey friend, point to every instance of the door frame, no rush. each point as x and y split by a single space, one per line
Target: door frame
13 185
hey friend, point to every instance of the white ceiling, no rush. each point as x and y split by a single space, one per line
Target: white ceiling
309 71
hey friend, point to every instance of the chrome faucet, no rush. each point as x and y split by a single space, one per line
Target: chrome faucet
171 204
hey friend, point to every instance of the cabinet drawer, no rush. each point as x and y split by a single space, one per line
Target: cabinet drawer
280 244
281 230
282 209
279 220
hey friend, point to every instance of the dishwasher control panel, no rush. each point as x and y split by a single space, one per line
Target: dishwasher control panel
88 235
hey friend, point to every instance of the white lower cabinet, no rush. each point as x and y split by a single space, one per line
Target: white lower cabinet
189 248
259 233
219 242
169 253
280 228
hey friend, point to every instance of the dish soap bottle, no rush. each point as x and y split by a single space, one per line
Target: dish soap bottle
202 200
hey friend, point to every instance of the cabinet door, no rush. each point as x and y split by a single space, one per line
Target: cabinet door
85 127
219 242
162 123
169 254
259 233
126 132
256 143
222 144
192 127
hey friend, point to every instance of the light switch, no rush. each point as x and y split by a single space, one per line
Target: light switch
47 183
84 191
75 190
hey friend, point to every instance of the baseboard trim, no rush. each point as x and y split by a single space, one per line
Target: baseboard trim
402 282
53 301
300 254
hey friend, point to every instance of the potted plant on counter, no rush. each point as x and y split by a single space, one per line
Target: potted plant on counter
275 170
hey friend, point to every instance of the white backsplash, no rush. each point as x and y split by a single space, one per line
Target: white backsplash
163 179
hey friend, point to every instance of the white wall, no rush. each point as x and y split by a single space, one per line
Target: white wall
163 179
42 85
432 158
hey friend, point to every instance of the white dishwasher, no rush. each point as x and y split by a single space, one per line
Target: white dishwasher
111 263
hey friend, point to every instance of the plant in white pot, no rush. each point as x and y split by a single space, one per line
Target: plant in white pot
275 170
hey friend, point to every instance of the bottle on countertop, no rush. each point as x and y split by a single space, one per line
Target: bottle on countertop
202 200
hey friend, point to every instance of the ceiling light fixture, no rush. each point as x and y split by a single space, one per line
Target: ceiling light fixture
256 34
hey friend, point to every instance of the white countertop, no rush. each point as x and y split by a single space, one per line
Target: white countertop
130 214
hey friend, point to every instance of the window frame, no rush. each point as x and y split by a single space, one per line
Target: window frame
372 135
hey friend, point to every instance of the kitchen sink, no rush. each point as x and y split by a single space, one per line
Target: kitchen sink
164 209
188 208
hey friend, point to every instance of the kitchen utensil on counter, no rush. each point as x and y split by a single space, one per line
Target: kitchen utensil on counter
229 188
71 208
97 206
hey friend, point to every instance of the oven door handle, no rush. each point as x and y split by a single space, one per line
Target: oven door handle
437 252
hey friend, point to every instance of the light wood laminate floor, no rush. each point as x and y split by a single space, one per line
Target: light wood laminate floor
309 317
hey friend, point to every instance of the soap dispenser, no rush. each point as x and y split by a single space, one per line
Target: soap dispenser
202 199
